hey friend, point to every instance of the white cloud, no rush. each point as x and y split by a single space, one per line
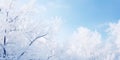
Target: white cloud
114 31
84 42
87 44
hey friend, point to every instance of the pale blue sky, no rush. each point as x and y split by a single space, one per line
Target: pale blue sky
90 13
87 13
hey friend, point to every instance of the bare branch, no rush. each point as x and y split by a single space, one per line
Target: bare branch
31 44
37 38
4 50
52 54
50 57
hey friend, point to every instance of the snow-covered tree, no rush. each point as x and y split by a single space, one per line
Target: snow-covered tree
86 44
24 32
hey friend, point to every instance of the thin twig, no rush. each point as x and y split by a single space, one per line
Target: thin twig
30 45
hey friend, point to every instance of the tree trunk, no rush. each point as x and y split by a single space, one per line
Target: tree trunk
4 49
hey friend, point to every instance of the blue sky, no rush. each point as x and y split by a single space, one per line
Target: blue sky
93 14
82 33
90 13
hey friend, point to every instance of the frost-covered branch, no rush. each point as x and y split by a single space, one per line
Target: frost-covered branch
32 41
14 23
